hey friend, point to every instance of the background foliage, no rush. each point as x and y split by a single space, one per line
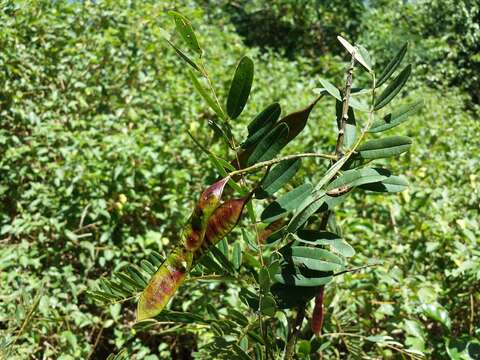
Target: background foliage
96 169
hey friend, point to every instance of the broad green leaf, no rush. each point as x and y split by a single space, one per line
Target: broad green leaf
391 184
184 57
393 88
342 247
354 52
386 147
278 177
331 89
206 96
184 27
365 55
270 145
396 117
392 65
268 305
312 258
262 124
240 87
293 278
357 177
286 203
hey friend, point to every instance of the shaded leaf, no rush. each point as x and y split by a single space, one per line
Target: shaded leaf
391 184
286 203
240 87
392 65
281 174
393 88
262 124
270 145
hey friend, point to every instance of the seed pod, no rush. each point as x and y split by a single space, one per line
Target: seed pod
270 229
194 231
317 316
163 284
223 220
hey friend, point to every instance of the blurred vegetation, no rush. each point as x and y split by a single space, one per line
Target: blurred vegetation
96 169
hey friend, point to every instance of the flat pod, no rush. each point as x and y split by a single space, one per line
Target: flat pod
163 284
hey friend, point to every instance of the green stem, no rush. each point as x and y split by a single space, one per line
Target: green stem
280 159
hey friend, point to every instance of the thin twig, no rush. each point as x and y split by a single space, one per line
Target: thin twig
280 159
294 332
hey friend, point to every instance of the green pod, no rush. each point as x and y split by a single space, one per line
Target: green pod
194 231
223 220
163 284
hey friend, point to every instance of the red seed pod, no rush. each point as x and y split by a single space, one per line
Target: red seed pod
223 220
163 284
270 229
194 232
318 314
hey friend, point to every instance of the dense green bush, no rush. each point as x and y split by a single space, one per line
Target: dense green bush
96 171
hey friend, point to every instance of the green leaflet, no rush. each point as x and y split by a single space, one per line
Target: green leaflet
206 96
184 57
240 87
355 53
185 29
286 203
270 145
357 177
391 184
278 177
393 88
396 117
262 124
382 148
290 277
312 258
392 65
331 89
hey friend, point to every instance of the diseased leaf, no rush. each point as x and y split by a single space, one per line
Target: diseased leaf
286 203
206 96
297 121
393 88
396 117
262 124
185 29
386 147
240 87
270 145
281 174
392 65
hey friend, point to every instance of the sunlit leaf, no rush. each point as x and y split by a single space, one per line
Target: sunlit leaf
206 96
386 147
185 29
354 52
396 117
